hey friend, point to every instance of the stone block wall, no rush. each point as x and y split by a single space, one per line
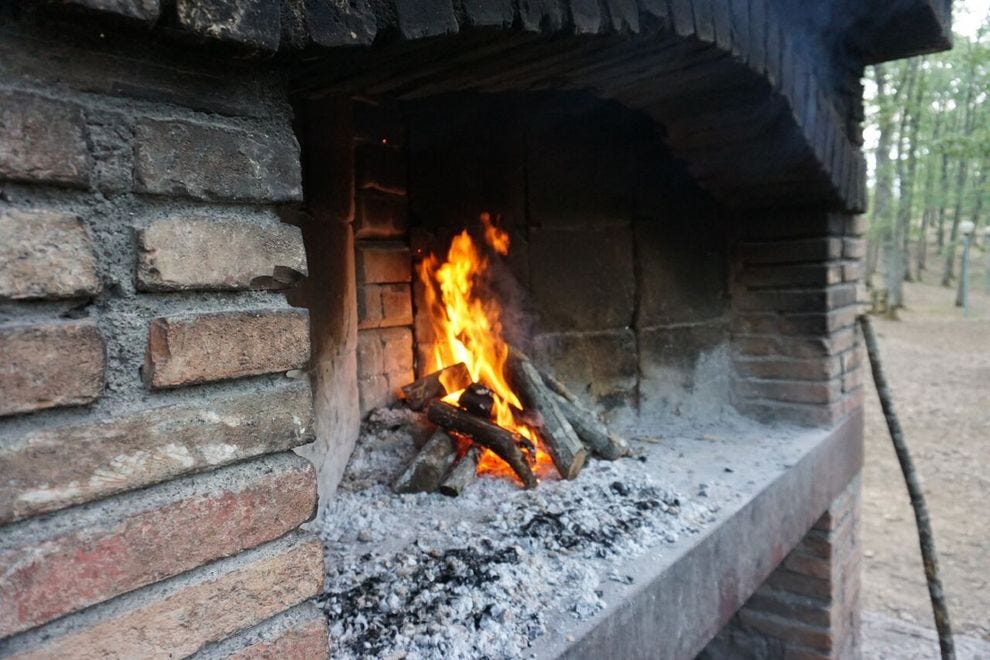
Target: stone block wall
153 376
808 609
619 260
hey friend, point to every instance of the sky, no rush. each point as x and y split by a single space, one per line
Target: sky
969 14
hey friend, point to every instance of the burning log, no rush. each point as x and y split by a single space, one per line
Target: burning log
566 450
477 400
424 473
592 432
503 442
423 390
462 474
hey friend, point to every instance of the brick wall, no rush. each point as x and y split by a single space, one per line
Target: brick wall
808 609
796 282
149 362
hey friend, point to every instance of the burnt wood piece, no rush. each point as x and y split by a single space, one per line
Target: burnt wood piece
462 474
421 391
586 424
477 400
426 471
503 442
592 432
566 449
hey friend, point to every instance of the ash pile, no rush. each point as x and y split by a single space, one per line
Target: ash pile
488 573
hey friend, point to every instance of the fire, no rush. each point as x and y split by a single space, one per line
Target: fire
467 327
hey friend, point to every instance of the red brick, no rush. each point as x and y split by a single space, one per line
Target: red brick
793 369
795 391
799 562
45 254
796 251
384 306
383 263
813 637
181 253
42 141
35 372
183 350
380 215
55 467
179 617
379 167
75 559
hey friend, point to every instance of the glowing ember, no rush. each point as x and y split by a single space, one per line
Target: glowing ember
467 327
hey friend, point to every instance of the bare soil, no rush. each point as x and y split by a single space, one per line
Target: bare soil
939 366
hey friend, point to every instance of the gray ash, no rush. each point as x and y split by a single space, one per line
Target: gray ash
478 576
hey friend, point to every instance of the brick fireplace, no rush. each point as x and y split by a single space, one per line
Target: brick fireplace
210 214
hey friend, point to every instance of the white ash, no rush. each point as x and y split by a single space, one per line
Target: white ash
426 576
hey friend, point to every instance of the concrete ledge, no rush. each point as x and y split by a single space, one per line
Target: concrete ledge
680 600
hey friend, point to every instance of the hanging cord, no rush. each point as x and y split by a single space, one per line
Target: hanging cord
925 537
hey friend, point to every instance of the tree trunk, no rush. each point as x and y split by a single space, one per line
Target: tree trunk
905 167
961 175
883 190
929 212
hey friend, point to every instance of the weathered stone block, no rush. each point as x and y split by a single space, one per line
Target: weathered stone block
142 10
600 367
180 253
380 215
539 15
425 18
797 300
210 162
36 371
186 613
379 167
341 24
52 468
582 280
682 271
253 22
489 13
42 141
61 564
183 350
383 263
45 255
384 306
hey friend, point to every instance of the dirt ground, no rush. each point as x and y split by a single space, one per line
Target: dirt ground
939 367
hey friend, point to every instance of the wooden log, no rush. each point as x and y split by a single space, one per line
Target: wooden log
566 449
428 467
592 432
462 474
421 391
477 400
586 424
503 442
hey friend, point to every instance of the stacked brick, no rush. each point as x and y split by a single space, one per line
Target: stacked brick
808 609
797 351
150 499
382 257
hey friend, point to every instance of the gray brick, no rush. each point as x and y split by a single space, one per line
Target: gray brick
42 141
214 163
183 253
341 24
253 22
45 254
143 10
425 18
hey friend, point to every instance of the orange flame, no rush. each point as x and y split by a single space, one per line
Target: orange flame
467 327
